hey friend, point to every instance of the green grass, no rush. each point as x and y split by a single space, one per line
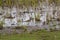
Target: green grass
38 35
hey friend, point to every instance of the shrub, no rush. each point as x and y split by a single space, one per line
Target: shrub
37 17
21 27
1 24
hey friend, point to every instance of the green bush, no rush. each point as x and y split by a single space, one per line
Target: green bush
21 27
1 24
0 2
37 17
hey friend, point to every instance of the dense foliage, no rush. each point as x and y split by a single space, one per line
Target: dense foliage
18 2
25 2
57 2
0 2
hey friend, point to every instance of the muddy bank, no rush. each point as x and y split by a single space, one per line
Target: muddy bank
28 29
